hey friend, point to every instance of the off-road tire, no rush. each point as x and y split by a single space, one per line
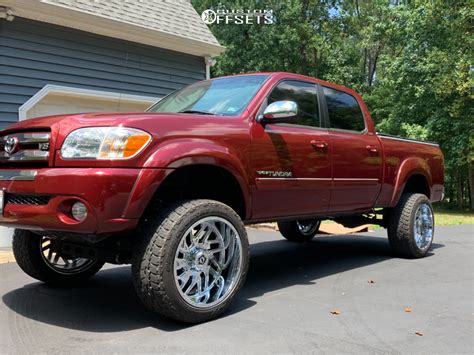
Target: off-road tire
400 229
153 258
290 231
27 252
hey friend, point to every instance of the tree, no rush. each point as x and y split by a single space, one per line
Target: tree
294 43
410 60
424 84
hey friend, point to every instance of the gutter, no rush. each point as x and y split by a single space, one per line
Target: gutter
6 13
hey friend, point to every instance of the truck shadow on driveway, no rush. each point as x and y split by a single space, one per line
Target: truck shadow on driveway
107 303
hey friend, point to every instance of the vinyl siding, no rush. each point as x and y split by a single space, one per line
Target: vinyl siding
33 54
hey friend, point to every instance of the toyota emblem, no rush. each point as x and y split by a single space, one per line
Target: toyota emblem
11 145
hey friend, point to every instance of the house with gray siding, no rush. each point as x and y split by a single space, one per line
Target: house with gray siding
66 56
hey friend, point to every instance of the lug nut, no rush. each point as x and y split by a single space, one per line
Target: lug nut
79 211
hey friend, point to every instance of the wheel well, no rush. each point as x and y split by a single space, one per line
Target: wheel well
202 181
417 184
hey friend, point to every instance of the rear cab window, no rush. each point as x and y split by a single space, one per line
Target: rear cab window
344 111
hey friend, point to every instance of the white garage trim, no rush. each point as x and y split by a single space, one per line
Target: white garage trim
83 93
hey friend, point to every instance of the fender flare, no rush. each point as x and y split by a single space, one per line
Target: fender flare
409 167
179 153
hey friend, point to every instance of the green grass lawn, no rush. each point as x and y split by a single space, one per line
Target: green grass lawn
449 218
443 217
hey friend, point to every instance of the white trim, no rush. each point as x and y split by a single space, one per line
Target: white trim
318 179
407 140
294 179
356 179
77 92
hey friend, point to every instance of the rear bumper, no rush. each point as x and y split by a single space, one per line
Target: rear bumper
115 198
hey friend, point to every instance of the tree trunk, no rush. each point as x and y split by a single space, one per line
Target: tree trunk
364 64
372 66
373 58
470 167
459 183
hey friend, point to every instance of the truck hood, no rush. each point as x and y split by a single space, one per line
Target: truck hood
157 124
69 122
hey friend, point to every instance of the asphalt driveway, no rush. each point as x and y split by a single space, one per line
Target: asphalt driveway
285 306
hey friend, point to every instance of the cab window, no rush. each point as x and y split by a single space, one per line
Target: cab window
305 96
344 111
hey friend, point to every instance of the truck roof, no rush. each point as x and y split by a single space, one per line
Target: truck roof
283 75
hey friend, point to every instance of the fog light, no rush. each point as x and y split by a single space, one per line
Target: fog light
79 211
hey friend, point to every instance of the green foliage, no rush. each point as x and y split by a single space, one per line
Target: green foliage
292 44
411 61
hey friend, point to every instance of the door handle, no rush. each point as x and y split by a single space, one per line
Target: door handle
372 149
321 145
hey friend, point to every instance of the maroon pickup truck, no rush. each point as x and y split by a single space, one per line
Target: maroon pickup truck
170 190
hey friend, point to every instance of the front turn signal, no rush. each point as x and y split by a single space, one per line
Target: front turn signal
123 143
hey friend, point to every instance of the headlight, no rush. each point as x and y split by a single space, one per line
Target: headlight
104 143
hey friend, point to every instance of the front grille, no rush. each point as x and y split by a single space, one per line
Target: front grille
21 147
38 200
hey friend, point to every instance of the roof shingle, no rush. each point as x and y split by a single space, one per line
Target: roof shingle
177 17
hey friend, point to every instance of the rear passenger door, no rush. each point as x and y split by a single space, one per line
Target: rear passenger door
355 154
291 162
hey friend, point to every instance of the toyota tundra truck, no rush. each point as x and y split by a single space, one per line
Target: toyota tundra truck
170 190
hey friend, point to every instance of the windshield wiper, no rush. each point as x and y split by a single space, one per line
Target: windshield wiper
198 112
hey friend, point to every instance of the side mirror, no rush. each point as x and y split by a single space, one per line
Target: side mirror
279 112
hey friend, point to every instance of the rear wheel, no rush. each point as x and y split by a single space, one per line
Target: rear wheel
41 258
411 226
193 260
299 231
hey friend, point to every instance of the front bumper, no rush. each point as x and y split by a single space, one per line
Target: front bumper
115 198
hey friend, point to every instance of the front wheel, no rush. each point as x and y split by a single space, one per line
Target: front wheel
299 231
192 261
411 226
41 258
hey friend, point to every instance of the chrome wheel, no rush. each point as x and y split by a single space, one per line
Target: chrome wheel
423 226
308 226
61 263
208 262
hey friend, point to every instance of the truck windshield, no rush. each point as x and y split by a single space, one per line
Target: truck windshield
225 96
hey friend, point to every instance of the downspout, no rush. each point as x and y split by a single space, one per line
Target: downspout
209 63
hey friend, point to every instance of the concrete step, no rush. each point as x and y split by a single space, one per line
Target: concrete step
6 237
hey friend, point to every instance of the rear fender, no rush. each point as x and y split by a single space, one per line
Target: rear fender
409 167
